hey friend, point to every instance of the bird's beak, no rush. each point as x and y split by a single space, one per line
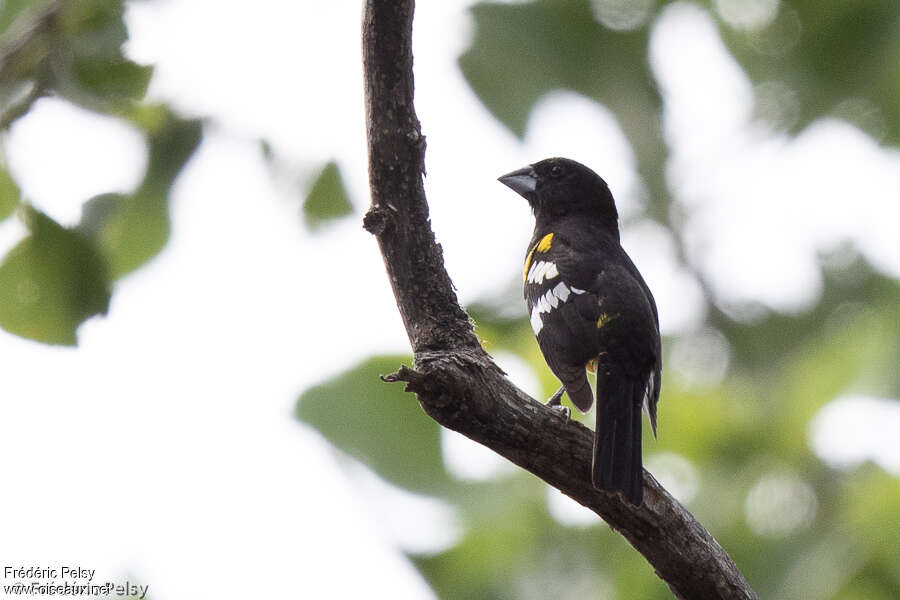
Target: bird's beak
522 182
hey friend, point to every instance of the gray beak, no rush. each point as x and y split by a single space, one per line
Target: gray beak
522 181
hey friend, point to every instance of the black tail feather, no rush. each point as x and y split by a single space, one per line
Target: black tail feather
617 439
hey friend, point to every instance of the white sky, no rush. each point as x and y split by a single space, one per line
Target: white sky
164 446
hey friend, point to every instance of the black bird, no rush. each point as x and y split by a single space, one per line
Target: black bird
591 310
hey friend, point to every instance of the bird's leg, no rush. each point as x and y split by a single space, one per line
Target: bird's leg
555 399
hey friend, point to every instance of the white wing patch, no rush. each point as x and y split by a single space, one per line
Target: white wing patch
536 322
550 300
541 270
561 291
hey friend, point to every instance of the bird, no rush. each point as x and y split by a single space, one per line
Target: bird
591 310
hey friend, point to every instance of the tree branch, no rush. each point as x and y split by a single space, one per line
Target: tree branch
23 48
455 381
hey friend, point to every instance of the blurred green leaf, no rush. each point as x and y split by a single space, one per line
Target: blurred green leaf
9 194
772 338
95 67
378 424
70 49
826 53
522 51
835 362
327 199
172 140
132 229
514 549
114 80
51 282
500 543
74 49
129 230
870 510
95 28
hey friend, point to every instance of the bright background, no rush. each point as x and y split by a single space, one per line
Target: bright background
163 448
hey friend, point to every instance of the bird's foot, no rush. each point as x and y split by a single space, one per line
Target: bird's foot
563 410
554 402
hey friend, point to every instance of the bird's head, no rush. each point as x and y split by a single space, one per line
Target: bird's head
559 187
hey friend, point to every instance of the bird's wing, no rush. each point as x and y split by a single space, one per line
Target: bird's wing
628 330
561 315
584 301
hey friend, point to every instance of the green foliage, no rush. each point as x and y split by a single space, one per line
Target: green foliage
95 72
9 194
51 282
112 80
9 11
56 278
511 544
534 48
826 53
796 527
380 425
73 48
131 229
736 434
522 51
327 199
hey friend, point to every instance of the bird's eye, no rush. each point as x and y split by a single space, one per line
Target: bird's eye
556 171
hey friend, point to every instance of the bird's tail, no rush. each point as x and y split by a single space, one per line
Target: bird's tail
617 438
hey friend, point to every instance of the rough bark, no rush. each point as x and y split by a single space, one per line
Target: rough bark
455 381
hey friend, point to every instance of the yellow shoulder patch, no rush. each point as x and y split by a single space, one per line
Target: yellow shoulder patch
591 365
544 244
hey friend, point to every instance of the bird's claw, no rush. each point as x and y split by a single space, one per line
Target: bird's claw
554 403
564 410
556 398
